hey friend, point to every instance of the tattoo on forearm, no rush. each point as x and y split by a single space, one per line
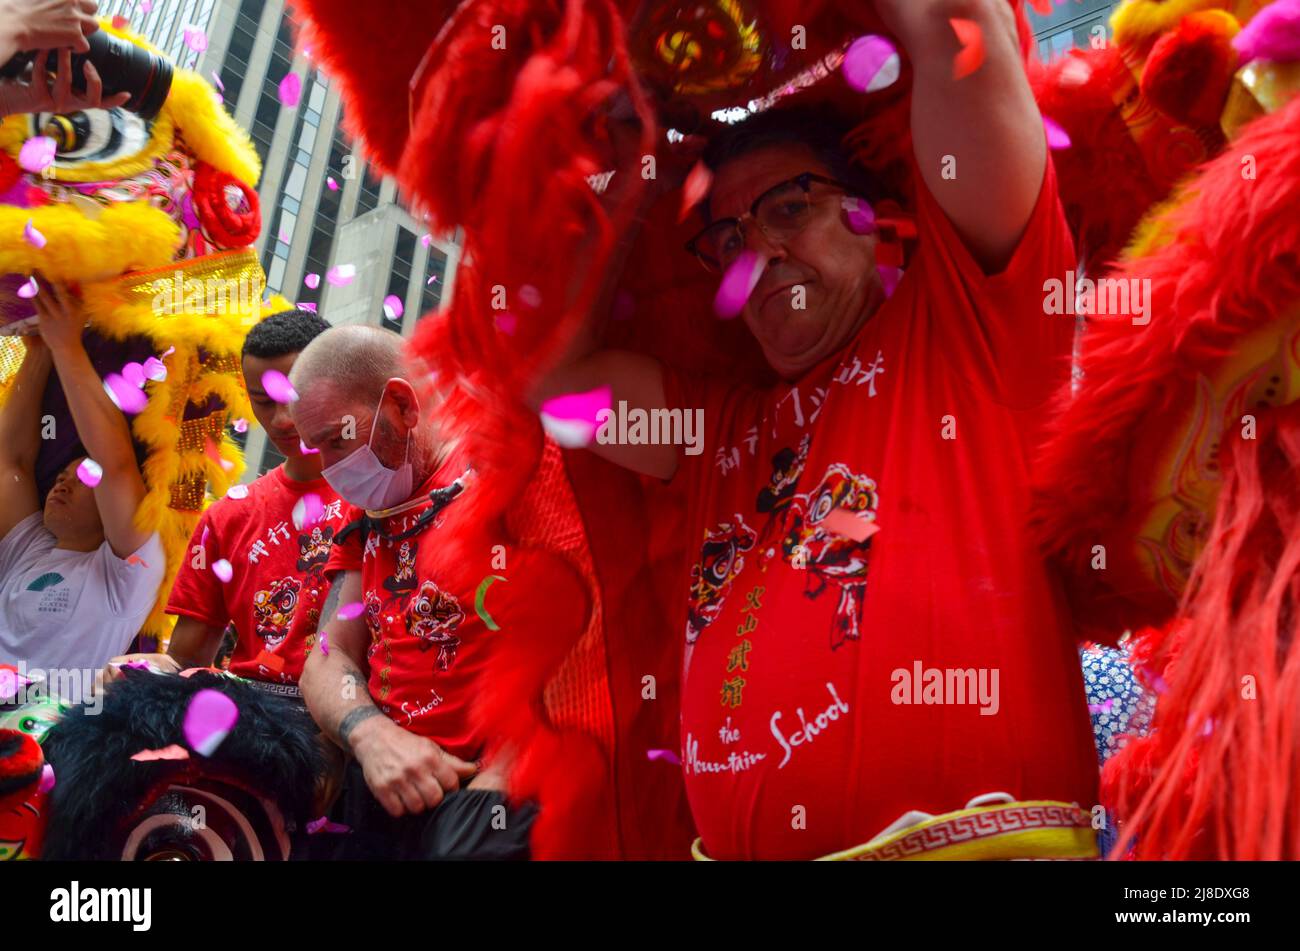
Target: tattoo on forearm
332 599
350 721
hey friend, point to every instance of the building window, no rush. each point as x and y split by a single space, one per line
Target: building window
240 50
434 274
368 197
268 107
399 280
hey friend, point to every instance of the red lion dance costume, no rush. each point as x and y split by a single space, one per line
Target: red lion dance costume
496 116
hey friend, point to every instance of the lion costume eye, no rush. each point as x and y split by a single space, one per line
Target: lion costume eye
95 135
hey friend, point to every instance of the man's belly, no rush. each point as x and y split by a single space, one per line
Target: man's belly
815 760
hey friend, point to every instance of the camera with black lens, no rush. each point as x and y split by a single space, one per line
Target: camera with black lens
123 67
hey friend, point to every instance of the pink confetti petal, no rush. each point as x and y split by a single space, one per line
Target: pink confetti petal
426 239
1101 707
351 611
890 278
136 560
196 39
37 154
393 308
971 57
32 236
90 472
663 756
323 824
312 281
341 275
506 322
128 398
1057 137
208 720
738 283
47 779
698 182
325 643
333 185
240 425
136 665
307 307
146 6
237 491
203 540
173 752
871 63
571 419
217 80
847 525
290 90
861 216
531 296
306 450
307 511
155 369
30 289
133 373
278 387
223 570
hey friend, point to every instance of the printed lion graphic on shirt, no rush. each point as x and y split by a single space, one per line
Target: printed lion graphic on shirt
273 610
721 560
432 616
831 559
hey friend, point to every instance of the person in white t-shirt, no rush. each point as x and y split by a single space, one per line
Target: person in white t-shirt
77 577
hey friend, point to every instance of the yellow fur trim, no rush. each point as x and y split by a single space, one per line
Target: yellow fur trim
127 236
1141 22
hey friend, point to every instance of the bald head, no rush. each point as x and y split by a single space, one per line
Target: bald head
354 391
355 360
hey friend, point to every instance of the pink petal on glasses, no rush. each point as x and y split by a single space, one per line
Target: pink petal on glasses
223 570
32 236
663 756
278 387
847 525
90 472
30 289
307 511
572 419
871 63
240 425
47 779
861 216
341 275
312 281
175 751
208 720
698 182
133 373
738 283
351 611
1057 137
37 154
155 369
393 308
290 90
125 396
889 278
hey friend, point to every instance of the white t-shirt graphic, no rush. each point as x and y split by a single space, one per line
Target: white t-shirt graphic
71 609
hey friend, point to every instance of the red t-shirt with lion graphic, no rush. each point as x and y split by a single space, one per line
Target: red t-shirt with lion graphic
862 528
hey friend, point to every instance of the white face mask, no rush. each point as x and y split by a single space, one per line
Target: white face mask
365 481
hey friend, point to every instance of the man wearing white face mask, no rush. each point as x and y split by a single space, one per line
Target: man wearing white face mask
396 683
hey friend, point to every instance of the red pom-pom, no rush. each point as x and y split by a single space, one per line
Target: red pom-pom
227 208
1190 69
9 172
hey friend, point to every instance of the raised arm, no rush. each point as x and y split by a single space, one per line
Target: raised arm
987 122
407 773
20 437
101 427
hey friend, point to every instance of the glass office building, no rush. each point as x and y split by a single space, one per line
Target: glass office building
1072 23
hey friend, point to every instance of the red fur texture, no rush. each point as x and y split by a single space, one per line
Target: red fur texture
1190 69
1217 776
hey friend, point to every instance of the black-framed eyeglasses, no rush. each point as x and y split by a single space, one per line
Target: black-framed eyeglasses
780 213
